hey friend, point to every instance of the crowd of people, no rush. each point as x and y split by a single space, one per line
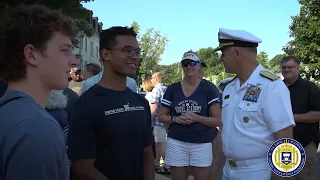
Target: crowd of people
59 123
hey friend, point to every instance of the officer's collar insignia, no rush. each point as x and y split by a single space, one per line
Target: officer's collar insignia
226 97
269 75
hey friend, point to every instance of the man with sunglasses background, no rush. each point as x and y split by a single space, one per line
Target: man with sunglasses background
110 134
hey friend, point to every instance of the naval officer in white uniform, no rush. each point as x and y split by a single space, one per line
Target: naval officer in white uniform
256 110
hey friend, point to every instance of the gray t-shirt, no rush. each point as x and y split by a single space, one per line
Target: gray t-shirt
32 143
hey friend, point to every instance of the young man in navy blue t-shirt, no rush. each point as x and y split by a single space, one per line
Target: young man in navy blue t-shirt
110 133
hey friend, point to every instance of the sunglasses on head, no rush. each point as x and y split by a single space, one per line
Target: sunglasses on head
187 63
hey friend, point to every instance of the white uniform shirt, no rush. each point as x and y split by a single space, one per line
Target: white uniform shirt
247 126
131 83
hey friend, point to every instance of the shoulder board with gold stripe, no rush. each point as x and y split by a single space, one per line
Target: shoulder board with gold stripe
269 75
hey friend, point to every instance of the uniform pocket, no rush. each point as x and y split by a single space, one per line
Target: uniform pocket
249 106
248 114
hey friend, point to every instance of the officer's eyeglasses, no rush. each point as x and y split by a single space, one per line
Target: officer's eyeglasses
187 63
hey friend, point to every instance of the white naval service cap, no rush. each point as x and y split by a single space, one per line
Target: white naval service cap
239 38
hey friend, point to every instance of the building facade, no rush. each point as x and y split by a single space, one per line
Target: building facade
88 47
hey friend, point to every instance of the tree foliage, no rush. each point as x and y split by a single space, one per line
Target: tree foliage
173 73
305 31
72 8
263 59
215 71
211 58
152 44
274 63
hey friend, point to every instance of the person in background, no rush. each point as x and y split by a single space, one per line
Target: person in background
110 134
159 129
185 107
223 83
72 98
3 88
201 70
76 82
36 57
305 101
147 86
255 109
56 105
130 83
91 70
215 130
201 75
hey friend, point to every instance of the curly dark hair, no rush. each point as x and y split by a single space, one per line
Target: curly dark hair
28 24
108 36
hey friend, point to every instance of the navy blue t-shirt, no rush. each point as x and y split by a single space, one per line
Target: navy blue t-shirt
199 102
112 127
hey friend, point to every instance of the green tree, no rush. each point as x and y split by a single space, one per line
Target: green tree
275 63
305 31
173 73
263 59
215 71
152 44
136 28
73 8
211 58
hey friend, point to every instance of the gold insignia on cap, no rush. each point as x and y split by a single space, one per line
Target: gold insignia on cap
269 75
221 45
245 119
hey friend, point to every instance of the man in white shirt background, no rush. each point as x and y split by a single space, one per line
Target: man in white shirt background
131 83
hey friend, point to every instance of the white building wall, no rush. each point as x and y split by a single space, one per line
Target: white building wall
88 51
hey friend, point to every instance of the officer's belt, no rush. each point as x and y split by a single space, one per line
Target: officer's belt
249 162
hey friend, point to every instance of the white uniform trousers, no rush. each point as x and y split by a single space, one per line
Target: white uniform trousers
256 169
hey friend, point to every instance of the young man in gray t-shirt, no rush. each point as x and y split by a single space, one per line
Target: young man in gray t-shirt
36 57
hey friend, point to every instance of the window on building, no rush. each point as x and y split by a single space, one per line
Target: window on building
94 21
97 52
85 44
91 49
